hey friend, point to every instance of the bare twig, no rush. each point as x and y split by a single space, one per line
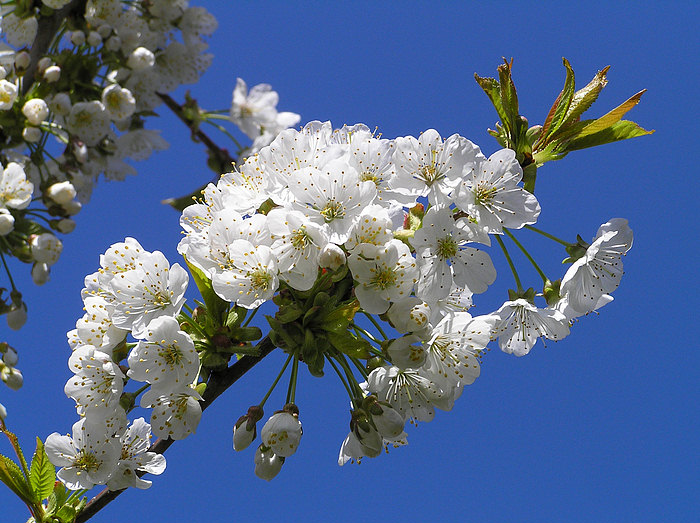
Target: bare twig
218 383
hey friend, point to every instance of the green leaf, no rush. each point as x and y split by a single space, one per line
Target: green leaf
348 344
584 98
560 107
216 307
180 203
621 130
492 89
42 474
11 475
338 319
509 99
66 514
614 116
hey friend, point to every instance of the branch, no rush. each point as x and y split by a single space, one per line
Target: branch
218 383
48 26
222 155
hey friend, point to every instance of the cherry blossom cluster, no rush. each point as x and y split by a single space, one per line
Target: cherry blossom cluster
352 236
92 91
320 201
135 293
77 110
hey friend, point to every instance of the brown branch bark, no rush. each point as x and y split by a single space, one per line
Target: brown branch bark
48 26
217 384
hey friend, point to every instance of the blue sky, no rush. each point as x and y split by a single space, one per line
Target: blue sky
599 427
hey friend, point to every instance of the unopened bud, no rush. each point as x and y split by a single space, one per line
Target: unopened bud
46 248
61 192
77 37
94 39
9 356
40 273
52 74
332 257
43 64
267 463
72 208
31 134
12 377
104 30
65 226
140 59
22 60
17 317
7 222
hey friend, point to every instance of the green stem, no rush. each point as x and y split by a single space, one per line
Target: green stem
291 391
376 325
225 131
247 321
527 255
360 330
342 378
7 269
274 384
359 366
550 236
510 262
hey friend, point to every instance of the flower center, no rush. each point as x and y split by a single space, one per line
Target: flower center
332 210
261 279
384 278
171 354
86 461
300 238
446 247
484 193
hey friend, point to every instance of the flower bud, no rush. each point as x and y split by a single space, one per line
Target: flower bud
282 433
72 208
31 134
65 226
46 248
267 463
332 257
244 431
77 37
52 74
140 59
113 43
12 377
3 412
61 192
43 64
17 317
104 30
36 111
7 222
40 273
94 39
10 356
22 60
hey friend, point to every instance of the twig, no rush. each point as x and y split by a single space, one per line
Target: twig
218 383
220 154
48 26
